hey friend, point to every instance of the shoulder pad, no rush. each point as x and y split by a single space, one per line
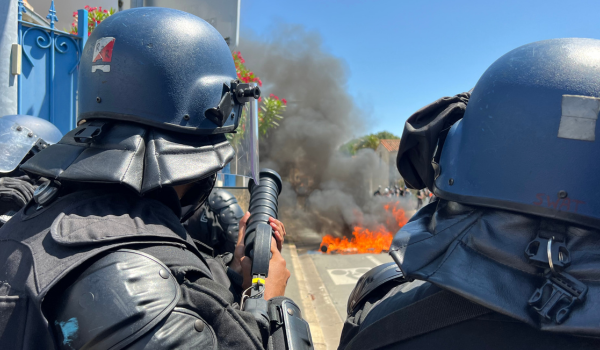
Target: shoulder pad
115 301
230 215
184 329
220 199
371 280
229 219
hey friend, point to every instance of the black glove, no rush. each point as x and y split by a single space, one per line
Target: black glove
15 192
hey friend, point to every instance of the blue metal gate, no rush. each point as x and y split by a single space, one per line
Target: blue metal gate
50 61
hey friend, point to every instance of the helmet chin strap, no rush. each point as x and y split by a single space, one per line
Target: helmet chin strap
194 196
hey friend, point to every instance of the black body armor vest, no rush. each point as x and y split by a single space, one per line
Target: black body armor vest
51 247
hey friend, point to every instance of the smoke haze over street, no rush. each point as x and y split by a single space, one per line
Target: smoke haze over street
324 188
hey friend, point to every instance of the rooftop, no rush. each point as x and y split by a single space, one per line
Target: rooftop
392 145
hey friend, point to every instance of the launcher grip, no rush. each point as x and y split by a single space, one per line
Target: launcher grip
263 204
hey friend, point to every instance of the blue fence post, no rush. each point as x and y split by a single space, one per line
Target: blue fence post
52 17
82 32
82 27
21 10
48 86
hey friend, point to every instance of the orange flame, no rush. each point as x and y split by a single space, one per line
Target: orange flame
365 240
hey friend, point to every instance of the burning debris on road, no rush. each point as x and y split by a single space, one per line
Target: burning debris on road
366 240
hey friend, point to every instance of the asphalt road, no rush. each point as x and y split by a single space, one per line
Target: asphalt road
339 274
321 283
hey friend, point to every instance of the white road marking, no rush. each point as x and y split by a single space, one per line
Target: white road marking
347 276
373 260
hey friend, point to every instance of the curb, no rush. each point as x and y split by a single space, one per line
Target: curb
310 314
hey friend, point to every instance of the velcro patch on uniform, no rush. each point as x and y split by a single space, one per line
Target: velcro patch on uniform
579 115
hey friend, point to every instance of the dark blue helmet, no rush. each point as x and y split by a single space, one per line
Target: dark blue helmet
527 141
164 68
157 92
21 135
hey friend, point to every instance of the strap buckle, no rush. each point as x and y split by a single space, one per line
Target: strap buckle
543 252
555 299
89 132
39 146
276 315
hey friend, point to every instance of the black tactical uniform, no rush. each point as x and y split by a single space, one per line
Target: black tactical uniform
54 258
214 228
100 259
508 255
472 286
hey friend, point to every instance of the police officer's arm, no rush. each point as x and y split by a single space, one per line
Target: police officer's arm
278 231
284 323
278 273
276 283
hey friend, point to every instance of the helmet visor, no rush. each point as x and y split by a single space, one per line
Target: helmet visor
244 166
15 142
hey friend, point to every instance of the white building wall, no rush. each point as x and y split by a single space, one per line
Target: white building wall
8 37
65 9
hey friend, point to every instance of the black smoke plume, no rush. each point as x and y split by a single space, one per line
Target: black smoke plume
325 191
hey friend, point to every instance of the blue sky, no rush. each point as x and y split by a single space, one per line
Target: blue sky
402 55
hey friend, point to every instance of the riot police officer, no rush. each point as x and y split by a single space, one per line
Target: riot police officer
215 224
214 227
508 256
21 136
100 259
378 192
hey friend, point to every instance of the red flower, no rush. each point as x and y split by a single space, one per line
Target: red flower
284 101
259 99
105 11
259 82
271 95
74 13
87 7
